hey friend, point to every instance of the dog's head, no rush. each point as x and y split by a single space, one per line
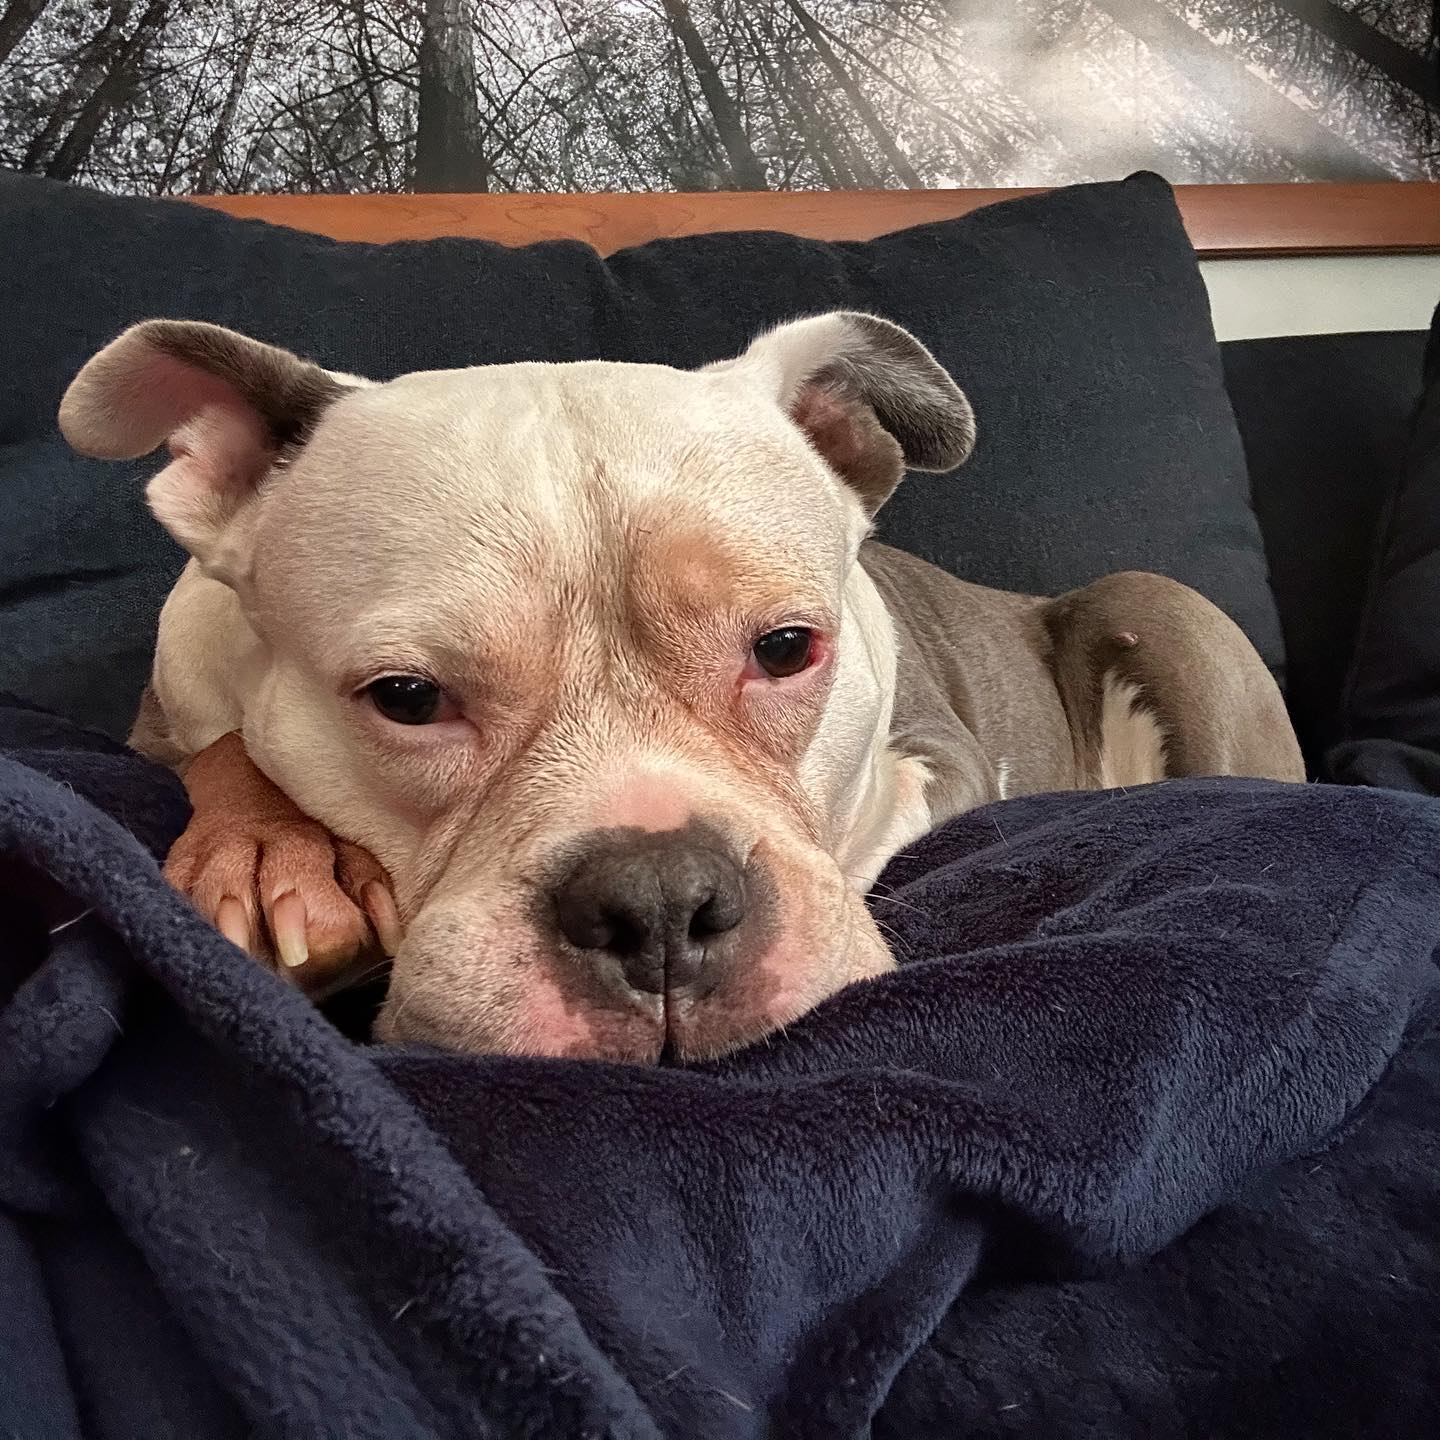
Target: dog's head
581 652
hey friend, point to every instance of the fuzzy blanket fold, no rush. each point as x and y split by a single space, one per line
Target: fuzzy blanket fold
1139 1140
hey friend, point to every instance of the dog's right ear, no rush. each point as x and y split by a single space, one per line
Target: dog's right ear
227 407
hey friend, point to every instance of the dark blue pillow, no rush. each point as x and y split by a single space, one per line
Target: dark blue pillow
1390 710
1077 321
1326 422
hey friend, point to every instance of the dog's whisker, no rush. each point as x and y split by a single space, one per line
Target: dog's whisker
877 890
371 972
902 904
899 941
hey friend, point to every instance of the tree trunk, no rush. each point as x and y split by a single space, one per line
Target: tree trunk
449 154
857 97
1397 62
1222 75
15 23
209 171
109 95
694 160
745 166
94 59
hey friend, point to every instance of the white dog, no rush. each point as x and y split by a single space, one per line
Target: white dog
592 669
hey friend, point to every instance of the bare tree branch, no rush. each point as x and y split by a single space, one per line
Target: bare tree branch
857 97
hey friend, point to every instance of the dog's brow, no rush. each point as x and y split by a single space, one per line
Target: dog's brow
459 650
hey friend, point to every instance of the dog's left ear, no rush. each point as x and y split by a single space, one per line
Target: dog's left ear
868 395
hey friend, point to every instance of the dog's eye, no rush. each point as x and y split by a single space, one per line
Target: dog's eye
784 652
409 699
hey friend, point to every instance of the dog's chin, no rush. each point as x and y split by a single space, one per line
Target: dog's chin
680 1034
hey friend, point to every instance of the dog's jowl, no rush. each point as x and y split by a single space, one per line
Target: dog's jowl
580 691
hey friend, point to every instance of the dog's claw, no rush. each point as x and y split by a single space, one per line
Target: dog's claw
274 881
287 926
233 923
380 907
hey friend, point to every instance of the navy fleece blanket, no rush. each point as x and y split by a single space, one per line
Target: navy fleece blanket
1140 1141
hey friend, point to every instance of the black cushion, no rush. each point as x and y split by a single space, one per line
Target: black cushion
1325 419
1390 709
1077 321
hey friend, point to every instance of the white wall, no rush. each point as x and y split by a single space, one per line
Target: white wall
1322 295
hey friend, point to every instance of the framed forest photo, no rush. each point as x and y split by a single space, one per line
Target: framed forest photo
340 96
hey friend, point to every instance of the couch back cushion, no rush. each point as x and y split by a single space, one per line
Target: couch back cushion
1389 713
1077 321
1325 420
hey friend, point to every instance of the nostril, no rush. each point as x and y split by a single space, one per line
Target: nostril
581 924
591 926
584 921
622 934
721 913
702 922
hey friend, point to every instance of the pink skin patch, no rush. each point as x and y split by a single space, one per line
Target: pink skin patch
217 455
647 801
550 1026
795 989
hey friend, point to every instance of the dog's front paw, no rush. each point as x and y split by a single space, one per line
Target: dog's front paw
289 892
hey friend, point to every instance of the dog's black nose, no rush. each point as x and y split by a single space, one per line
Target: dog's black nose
659 904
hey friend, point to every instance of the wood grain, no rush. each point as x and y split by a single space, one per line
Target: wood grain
1384 217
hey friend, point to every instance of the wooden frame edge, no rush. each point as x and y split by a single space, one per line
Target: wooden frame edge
1385 217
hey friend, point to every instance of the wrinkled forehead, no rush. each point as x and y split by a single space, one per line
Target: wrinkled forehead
499 485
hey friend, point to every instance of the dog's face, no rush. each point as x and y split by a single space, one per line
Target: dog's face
580 652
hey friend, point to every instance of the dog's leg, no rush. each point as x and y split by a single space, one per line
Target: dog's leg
1158 682
274 881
